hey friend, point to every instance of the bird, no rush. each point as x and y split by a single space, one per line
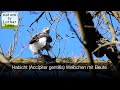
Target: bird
40 41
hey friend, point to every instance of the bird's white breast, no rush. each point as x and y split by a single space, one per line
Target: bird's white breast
38 45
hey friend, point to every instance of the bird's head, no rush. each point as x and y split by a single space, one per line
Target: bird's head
46 30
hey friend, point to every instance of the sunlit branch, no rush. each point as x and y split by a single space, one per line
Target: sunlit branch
4 61
116 14
95 14
110 26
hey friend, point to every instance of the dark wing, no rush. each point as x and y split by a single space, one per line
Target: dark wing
49 39
34 39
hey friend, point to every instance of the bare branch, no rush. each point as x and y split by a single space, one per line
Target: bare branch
13 44
58 49
73 28
50 16
12 47
37 18
55 30
20 53
116 14
106 44
110 26
29 32
102 46
47 19
4 61
95 14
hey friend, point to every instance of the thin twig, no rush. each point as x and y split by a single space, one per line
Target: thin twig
73 28
50 16
58 49
47 19
37 18
12 47
20 53
57 35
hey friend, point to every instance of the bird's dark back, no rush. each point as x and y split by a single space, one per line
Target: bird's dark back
36 37
33 39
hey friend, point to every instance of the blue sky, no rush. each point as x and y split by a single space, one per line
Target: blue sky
72 46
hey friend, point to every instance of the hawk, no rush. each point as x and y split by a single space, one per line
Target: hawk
40 41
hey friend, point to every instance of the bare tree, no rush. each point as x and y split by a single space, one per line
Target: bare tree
99 37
